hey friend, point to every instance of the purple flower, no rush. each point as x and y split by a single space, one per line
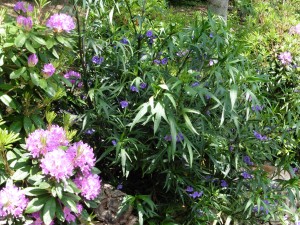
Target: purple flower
72 76
38 220
164 61
149 33
48 70
61 22
257 108
90 185
114 142
119 187
179 137
90 131
57 164
259 136
134 88
246 175
168 138
211 35
189 189
12 201
32 60
97 60
68 215
124 104
224 183
196 194
83 156
156 61
124 41
285 58
25 22
231 147
23 6
247 160
295 29
143 85
195 84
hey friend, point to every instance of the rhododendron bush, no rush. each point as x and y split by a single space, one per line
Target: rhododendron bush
57 180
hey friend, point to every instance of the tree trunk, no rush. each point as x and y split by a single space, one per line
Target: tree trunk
219 7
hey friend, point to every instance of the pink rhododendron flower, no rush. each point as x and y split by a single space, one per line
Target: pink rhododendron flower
57 164
48 70
38 220
12 201
72 76
25 22
32 60
41 141
23 6
61 22
285 58
90 185
83 156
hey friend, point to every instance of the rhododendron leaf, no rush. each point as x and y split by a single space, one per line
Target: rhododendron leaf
28 125
49 211
59 213
67 201
30 47
36 204
34 191
35 78
17 73
38 40
21 174
20 40
7 100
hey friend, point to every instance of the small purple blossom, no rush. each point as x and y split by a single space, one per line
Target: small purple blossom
231 147
134 88
168 138
68 215
149 33
212 62
196 194
246 175
257 108
260 136
224 183
97 60
285 58
156 61
189 189
119 187
25 22
114 142
164 61
143 85
247 160
23 6
61 22
32 60
195 84
179 137
48 70
124 41
124 104
90 131
211 35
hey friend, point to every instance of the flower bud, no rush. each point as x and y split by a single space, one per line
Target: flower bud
32 60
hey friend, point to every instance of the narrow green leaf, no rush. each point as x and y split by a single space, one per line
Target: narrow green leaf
28 125
17 73
143 110
233 96
8 101
34 191
38 40
21 173
35 78
36 204
189 124
69 203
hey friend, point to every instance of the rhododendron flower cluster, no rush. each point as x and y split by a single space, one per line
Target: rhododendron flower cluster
23 6
61 22
285 58
78 159
12 201
295 29
42 141
48 70
58 164
90 185
25 22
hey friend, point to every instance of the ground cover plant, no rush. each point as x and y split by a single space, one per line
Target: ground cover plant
184 118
